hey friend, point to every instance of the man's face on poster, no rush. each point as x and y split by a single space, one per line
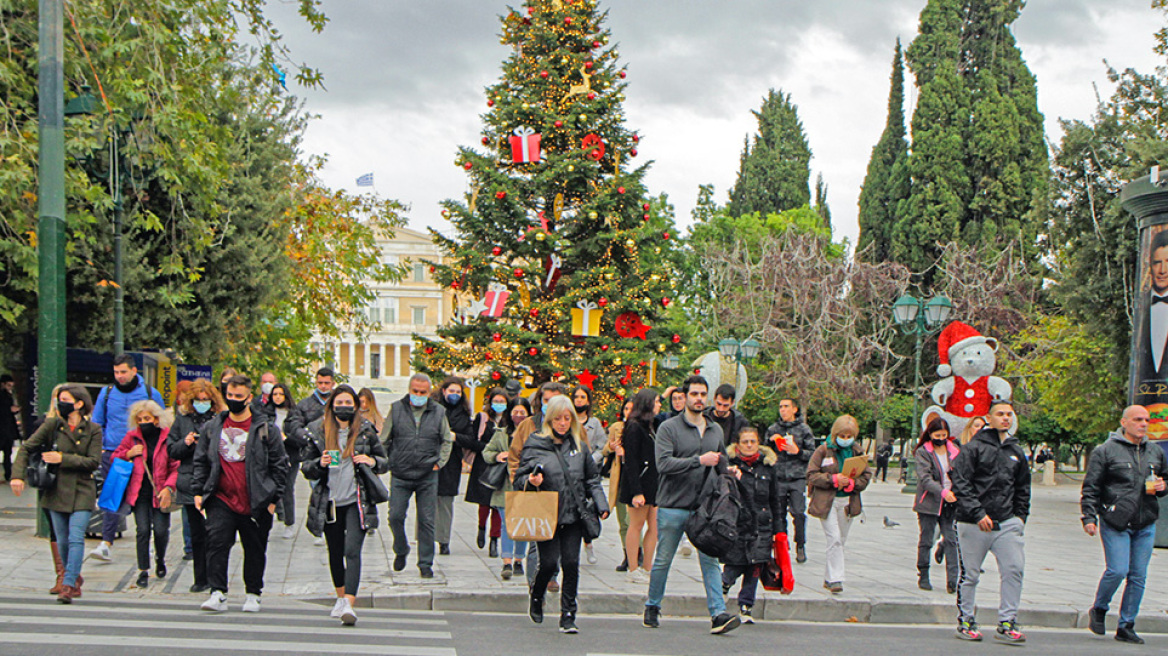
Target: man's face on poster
1159 267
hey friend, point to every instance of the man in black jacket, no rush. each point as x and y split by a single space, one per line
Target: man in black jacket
723 413
792 439
240 467
1125 478
296 438
991 479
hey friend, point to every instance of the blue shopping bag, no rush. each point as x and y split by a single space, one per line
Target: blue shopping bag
113 490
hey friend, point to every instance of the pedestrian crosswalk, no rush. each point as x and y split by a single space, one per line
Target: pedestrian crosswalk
101 624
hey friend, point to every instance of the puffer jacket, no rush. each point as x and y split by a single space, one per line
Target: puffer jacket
165 469
367 444
792 467
581 481
931 477
1113 488
296 424
761 506
184 453
825 463
991 477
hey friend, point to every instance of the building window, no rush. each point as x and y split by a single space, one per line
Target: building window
375 365
419 315
419 272
390 315
375 313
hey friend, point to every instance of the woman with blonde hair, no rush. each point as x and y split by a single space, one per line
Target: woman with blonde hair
201 403
369 409
558 458
971 429
835 498
150 493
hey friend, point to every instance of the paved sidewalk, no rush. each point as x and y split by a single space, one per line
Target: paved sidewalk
1064 565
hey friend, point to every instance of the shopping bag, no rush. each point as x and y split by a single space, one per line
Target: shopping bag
113 489
532 516
777 573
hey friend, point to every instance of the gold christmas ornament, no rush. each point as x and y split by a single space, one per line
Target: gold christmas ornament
571 168
631 243
539 236
660 348
593 215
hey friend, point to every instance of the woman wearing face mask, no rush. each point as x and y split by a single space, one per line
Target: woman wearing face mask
835 499
556 458
936 505
73 443
483 428
594 437
152 483
281 403
638 484
340 444
513 414
451 394
756 529
201 404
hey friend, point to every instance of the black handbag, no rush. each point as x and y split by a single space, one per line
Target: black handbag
375 488
40 474
590 515
494 476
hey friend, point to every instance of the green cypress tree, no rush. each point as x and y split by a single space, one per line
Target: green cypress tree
821 206
775 169
881 191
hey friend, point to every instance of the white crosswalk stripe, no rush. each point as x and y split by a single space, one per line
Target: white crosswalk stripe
108 624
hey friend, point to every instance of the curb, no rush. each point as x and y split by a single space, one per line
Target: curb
785 609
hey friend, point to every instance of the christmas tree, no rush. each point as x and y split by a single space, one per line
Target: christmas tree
563 269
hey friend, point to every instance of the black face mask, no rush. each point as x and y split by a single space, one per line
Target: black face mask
150 432
128 387
586 408
64 409
345 414
236 406
940 442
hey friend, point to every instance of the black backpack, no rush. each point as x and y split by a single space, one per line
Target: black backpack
713 526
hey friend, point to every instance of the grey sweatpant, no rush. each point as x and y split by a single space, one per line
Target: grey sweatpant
1009 548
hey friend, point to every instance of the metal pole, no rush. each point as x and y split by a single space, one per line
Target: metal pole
910 474
119 283
51 202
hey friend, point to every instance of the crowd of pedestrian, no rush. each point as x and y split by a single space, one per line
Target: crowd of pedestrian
228 457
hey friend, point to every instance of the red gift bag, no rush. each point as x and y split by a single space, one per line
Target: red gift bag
777 574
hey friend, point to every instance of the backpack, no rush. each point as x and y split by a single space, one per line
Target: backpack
713 526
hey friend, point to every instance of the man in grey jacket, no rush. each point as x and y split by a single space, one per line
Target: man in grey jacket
688 449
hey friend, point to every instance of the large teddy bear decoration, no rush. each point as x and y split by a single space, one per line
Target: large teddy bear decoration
967 360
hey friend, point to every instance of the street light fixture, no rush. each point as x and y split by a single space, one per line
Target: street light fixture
743 351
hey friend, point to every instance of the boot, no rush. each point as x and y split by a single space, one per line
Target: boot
76 592
59 566
481 538
65 596
923 578
494 552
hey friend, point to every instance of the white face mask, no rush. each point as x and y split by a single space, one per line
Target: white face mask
267 388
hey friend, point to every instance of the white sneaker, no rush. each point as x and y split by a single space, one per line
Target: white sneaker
590 554
348 615
639 577
101 552
338 608
217 602
251 604
289 532
686 551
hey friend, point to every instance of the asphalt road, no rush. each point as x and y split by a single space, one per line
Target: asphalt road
107 625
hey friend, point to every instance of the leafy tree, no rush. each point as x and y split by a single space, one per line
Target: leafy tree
573 228
775 169
885 183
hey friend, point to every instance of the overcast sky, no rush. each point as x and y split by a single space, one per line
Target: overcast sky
405 83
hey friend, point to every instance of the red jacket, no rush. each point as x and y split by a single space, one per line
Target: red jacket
165 469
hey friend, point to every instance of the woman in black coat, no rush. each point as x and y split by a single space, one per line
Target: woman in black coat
638 482
757 523
201 403
452 395
483 429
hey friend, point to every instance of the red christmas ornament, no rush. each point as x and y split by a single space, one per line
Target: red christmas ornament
645 207
620 190
676 339
604 347
665 302
636 138
500 195
633 153
486 141
468 166
496 251
558 124
595 44
490 103
497 337
543 74
431 269
519 273
665 235
591 95
642 363
602 301
604 424
429 350
630 326
454 285
488 356
531 11
697 372
533 351
534 312
495 375
588 65
558 374
568 20
645 217
622 74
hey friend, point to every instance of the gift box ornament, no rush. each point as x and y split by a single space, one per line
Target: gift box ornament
524 145
586 319
495 300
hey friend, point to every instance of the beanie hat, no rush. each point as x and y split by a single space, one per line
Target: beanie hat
955 337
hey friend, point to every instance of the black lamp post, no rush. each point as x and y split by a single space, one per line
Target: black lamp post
920 318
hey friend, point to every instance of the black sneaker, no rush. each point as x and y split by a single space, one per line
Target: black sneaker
160 569
939 553
535 610
143 579
443 549
188 556
481 538
399 563
567 623
426 572
724 623
745 612
923 582
200 587
652 617
517 567
507 572
800 554
1127 633
1097 621
967 630
951 588
1008 632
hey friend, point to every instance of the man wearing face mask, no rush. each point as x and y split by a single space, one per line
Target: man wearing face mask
111 411
296 438
263 402
419 441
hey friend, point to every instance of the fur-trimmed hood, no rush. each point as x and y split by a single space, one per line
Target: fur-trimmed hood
769 457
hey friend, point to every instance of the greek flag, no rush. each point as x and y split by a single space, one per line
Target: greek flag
365 180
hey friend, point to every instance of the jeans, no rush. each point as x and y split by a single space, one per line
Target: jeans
188 550
509 548
222 525
670 528
946 523
344 538
1127 554
147 520
562 550
793 499
198 525
425 492
749 574
72 527
109 520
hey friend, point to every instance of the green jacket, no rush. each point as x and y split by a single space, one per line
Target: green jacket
80 457
500 443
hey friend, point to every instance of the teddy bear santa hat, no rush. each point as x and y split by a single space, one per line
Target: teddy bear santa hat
955 337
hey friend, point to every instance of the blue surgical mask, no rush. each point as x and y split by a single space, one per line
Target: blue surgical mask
201 407
499 408
418 401
453 399
844 442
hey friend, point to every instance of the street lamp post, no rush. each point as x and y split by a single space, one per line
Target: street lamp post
51 369
917 317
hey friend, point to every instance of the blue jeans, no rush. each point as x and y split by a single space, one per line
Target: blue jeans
670 528
509 547
71 527
1127 554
